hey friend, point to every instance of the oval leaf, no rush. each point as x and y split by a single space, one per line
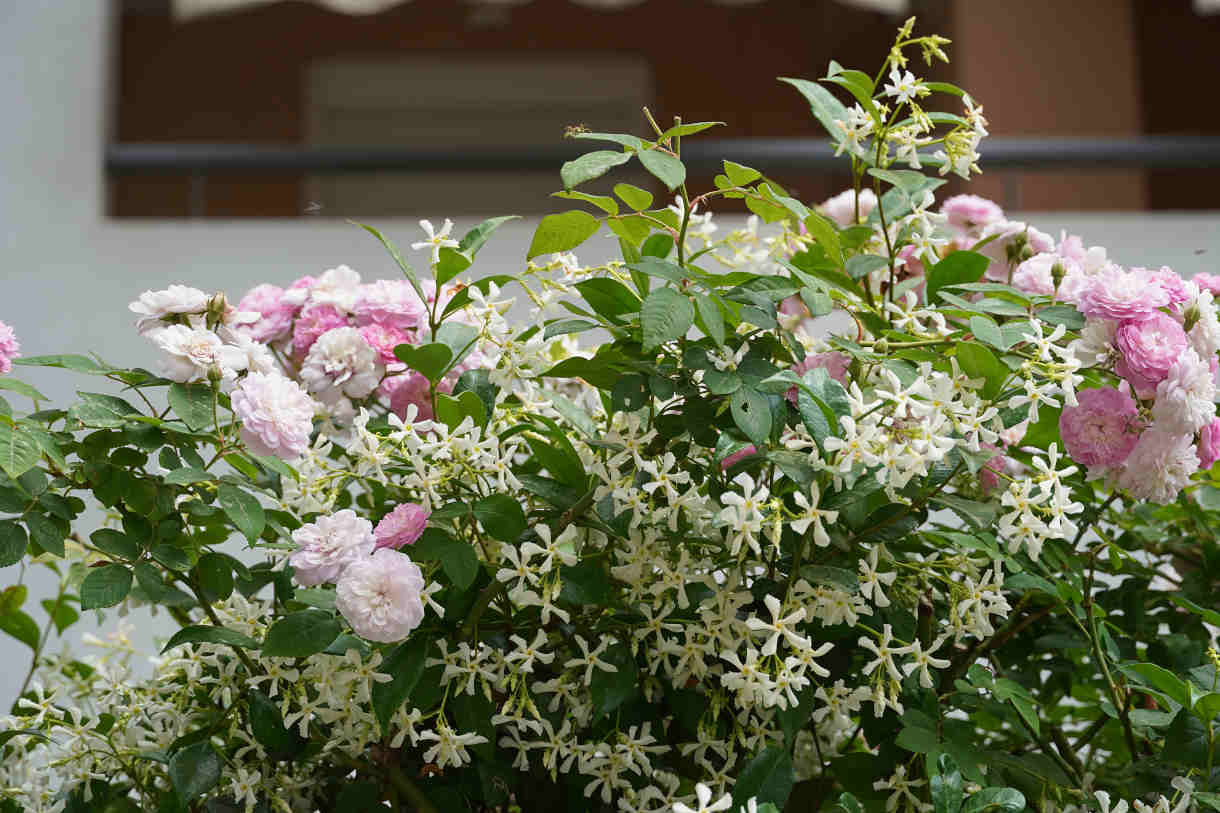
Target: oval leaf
665 315
562 232
301 634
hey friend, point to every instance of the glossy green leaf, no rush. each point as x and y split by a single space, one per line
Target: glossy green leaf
591 165
978 362
636 198
404 664
101 411
501 516
956 267
19 450
195 770
768 777
667 169
193 404
752 414
664 316
562 232
301 634
104 586
243 510
209 634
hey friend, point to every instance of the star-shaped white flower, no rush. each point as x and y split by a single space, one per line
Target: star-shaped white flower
436 239
704 795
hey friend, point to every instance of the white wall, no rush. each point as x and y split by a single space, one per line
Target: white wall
67 273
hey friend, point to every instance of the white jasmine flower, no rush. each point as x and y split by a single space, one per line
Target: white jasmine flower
436 239
703 797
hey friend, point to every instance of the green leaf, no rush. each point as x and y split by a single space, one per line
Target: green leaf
209 634
102 411
638 199
631 142
501 516
22 388
456 556
80 364
978 514
267 725
946 785
1009 800
474 239
955 268
19 450
665 315
711 317
826 109
609 298
12 542
827 236
752 414
691 128
606 204
20 626
243 510
403 265
591 165
631 229
862 265
115 544
430 360
979 362
188 475
667 169
986 330
452 411
301 634
61 612
1065 315
404 665
1149 674
105 586
193 404
740 175
767 777
194 770
562 232
611 689
215 576
918 740
1210 616
1186 741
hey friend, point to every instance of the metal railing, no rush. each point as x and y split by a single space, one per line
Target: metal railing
771 155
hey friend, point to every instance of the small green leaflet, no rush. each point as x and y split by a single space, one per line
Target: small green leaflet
665 315
562 232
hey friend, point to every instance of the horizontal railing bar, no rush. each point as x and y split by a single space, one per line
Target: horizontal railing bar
769 154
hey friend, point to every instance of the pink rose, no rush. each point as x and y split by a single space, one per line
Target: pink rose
326 546
1209 444
412 388
1114 293
970 213
1208 282
834 363
275 314
1102 429
384 338
276 415
389 302
1150 346
9 347
402 526
312 323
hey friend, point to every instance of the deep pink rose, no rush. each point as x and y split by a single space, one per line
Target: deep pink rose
1102 429
402 526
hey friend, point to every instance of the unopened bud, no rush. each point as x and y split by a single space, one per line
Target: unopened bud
881 346
215 375
1191 317
1058 272
217 307
1016 248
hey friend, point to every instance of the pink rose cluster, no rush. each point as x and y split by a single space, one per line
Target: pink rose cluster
341 332
9 347
378 589
1160 335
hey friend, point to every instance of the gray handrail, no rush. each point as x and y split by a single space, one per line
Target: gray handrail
768 154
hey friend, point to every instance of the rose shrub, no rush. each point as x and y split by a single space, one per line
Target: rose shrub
657 540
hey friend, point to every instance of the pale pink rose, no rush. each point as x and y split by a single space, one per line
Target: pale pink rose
275 315
842 207
411 388
191 353
970 213
153 306
992 470
1114 293
381 596
402 526
276 415
393 303
1036 276
328 545
834 362
339 287
9 347
738 456
912 266
1102 429
384 338
1208 282
1186 398
297 293
1208 450
341 359
1150 345
1170 280
312 323
1159 466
